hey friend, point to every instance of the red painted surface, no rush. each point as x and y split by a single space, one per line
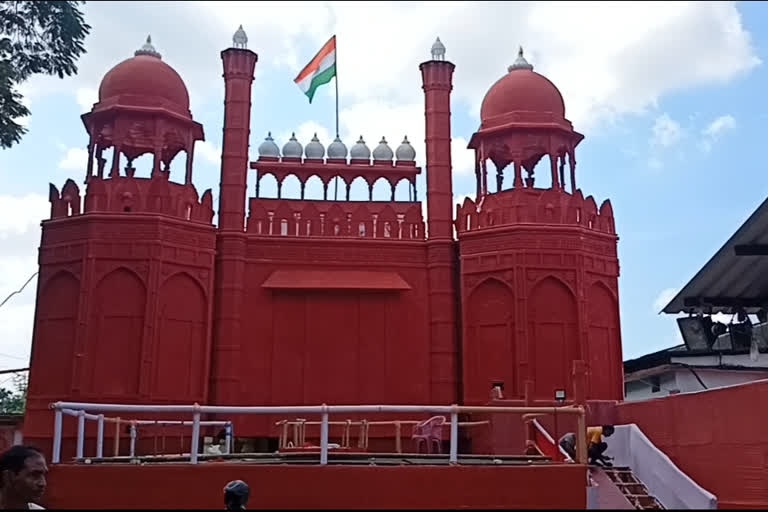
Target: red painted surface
331 487
141 299
716 437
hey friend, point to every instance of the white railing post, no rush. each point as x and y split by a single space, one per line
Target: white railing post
228 437
454 452
324 436
133 439
100 437
56 436
195 435
80 433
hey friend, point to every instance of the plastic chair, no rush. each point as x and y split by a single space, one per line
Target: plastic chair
429 432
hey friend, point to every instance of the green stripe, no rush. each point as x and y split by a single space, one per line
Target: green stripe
321 79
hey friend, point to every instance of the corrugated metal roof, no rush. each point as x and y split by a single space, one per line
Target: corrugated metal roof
728 280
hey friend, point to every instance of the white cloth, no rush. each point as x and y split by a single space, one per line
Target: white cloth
34 506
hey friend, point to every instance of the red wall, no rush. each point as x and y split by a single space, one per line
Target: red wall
331 487
330 345
717 437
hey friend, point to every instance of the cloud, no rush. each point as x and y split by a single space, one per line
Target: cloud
715 130
209 152
462 159
74 159
86 97
19 237
666 132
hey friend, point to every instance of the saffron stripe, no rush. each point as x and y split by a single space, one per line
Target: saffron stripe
314 64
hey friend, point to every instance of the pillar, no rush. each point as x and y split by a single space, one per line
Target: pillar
437 77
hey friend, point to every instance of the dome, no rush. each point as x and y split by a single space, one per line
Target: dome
292 148
360 151
269 148
383 151
337 149
314 149
521 90
405 151
145 74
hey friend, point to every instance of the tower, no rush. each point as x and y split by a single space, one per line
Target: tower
239 64
126 280
437 76
539 267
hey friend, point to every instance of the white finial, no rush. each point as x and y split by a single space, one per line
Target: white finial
240 39
438 50
147 49
520 62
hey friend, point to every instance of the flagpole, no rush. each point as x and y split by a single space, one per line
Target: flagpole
336 80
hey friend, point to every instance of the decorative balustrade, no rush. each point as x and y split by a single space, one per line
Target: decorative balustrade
346 219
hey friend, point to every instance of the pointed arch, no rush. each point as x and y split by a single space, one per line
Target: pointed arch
490 349
290 187
115 334
313 188
553 336
604 344
359 189
403 190
182 328
382 190
55 335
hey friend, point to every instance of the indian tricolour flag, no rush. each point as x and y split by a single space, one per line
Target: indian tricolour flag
319 71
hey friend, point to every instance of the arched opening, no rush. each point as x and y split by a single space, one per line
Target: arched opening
553 337
604 345
116 333
142 166
266 186
490 347
181 330
336 189
403 190
290 187
359 190
313 188
382 190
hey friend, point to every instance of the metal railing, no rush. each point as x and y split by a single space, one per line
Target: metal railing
83 411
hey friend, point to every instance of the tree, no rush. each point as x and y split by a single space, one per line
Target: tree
36 37
14 402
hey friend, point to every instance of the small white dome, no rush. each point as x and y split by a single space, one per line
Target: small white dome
292 148
269 148
337 149
360 151
405 151
314 149
383 151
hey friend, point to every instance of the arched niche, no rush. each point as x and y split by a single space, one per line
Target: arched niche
553 336
115 334
180 340
604 344
55 335
490 350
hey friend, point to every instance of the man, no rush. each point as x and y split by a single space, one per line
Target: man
22 478
595 445
236 494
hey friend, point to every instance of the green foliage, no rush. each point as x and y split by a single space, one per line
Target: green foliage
13 402
36 37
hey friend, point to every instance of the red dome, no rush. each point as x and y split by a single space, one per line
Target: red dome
145 75
522 90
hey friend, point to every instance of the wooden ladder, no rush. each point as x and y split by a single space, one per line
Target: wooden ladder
633 489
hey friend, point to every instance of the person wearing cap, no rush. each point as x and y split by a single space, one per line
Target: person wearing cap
236 494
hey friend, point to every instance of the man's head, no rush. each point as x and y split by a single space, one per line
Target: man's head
236 495
608 430
22 474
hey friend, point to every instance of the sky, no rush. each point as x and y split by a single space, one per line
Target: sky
670 97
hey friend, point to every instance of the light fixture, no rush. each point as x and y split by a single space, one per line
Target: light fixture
697 332
560 395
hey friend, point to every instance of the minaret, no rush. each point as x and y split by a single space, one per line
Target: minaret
239 63
437 75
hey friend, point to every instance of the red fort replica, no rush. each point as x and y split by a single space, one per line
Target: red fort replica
506 305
